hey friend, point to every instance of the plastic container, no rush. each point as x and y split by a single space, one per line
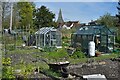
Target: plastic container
91 48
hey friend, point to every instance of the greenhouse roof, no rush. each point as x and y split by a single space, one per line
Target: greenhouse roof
45 30
89 30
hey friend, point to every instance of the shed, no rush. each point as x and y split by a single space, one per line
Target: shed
103 37
48 37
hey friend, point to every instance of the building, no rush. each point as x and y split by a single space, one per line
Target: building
103 37
71 24
60 18
48 37
93 23
68 24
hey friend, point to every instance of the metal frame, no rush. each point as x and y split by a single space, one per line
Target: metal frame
102 31
43 38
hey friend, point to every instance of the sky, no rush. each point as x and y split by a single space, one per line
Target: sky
80 11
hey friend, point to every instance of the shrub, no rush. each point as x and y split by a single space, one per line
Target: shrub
6 61
11 47
78 54
7 72
118 39
49 49
53 73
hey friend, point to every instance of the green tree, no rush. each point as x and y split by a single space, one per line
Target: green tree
107 20
26 14
44 17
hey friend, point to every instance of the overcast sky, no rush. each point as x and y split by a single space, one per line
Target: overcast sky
80 11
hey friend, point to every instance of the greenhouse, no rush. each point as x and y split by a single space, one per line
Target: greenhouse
48 37
103 37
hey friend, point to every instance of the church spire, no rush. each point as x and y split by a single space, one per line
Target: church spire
60 19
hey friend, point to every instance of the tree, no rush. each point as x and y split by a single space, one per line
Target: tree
118 15
15 17
118 23
5 14
44 17
25 13
107 20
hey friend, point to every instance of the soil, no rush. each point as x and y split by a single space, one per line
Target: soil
109 68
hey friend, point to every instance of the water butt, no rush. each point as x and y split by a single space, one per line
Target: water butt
91 48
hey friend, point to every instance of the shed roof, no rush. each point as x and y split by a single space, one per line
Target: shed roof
89 30
45 30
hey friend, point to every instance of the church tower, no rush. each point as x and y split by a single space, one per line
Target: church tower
60 18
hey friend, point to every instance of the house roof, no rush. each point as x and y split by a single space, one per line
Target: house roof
92 22
70 24
73 21
45 30
90 30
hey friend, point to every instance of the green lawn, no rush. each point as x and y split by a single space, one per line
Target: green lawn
102 57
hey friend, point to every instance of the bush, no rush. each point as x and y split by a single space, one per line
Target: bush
78 54
10 47
7 72
49 49
79 49
117 52
118 39
25 69
53 73
64 37
6 61
65 44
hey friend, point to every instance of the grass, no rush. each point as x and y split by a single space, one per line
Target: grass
25 69
55 55
19 42
75 61
106 56
59 55
7 72
102 57
52 73
23 51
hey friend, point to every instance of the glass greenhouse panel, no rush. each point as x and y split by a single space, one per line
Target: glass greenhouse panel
110 47
111 39
84 42
90 37
48 36
103 40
